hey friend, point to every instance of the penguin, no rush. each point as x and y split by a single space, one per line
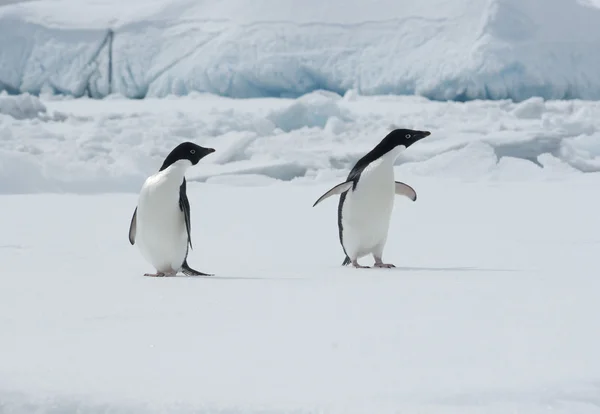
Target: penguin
367 198
161 224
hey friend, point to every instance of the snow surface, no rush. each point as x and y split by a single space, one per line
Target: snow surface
492 309
440 49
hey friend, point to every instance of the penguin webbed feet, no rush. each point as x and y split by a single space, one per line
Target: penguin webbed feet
385 265
379 263
185 269
161 274
359 266
354 263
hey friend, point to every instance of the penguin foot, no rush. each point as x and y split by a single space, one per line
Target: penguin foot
358 266
384 265
157 274
160 274
379 263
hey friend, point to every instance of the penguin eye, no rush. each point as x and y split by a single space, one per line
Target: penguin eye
407 136
192 151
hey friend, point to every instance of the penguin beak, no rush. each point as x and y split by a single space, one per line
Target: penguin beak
423 134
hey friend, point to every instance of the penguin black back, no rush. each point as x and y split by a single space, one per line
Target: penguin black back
186 151
404 137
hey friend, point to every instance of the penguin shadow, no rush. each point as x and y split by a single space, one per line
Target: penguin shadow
443 269
215 277
372 268
12 247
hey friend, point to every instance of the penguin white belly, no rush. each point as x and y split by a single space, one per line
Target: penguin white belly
161 232
367 211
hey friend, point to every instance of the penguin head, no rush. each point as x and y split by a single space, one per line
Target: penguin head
404 137
186 151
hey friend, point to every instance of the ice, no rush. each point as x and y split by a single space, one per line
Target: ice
312 110
444 50
532 108
93 146
21 107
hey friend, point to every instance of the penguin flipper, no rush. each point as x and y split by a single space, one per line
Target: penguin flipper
184 206
133 227
406 190
338 189
187 270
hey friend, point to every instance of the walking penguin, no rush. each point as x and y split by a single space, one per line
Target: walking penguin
367 198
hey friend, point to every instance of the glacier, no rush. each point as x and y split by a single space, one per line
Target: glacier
444 50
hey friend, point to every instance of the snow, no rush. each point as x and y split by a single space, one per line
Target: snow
444 50
492 308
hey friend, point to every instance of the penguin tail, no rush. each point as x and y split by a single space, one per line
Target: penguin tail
346 261
187 270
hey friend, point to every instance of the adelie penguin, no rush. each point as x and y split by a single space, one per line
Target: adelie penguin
161 225
367 198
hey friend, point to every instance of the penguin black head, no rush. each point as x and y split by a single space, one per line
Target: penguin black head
404 137
186 151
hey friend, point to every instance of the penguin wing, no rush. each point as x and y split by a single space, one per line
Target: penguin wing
133 227
184 205
338 189
406 190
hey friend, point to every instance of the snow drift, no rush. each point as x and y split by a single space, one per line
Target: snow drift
444 50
